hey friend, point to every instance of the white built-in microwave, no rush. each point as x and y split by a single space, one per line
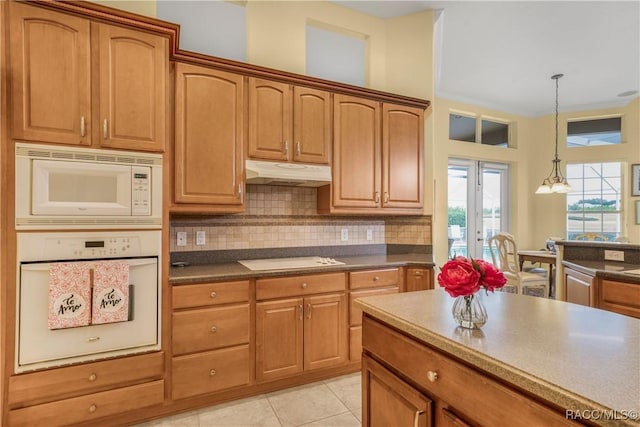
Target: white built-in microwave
68 187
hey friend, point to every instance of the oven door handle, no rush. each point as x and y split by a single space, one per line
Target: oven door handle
46 265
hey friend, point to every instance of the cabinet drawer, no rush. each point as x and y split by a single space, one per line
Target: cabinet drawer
355 313
210 328
374 278
211 371
490 403
91 407
620 297
280 287
59 383
186 296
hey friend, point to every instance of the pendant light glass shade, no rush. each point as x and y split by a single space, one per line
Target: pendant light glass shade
555 182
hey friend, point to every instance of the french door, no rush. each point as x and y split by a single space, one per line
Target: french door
478 205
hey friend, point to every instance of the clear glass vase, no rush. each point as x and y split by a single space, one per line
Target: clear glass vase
469 312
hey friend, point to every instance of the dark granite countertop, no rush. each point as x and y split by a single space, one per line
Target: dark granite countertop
235 271
606 269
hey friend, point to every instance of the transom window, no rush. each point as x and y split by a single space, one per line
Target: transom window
594 132
468 128
594 205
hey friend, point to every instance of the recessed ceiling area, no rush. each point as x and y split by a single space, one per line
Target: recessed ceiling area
502 54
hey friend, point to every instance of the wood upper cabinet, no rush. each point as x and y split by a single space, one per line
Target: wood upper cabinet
79 82
209 128
288 123
377 158
50 73
133 89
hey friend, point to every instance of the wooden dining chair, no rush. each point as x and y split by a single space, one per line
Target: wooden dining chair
504 254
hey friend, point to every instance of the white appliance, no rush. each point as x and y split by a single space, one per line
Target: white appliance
68 187
294 174
289 263
40 347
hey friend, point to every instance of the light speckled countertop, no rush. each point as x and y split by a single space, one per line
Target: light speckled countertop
578 357
236 271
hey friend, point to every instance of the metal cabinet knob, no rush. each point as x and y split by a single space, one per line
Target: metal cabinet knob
212 372
304 286
213 329
213 294
376 278
432 376
93 408
92 377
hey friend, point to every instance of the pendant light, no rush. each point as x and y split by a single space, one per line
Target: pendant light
555 182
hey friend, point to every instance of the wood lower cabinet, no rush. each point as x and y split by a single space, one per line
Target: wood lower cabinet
461 395
209 128
288 123
418 279
579 287
617 296
80 82
211 338
302 332
377 158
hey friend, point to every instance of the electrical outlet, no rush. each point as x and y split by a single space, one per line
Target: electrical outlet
181 238
201 238
369 234
344 234
614 255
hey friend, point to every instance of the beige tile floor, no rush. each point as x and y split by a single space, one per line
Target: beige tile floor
330 403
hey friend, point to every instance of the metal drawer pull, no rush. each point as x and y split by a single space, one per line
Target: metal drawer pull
212 372
418 273
304 286
239 190
213 294
105 129
308 311
93 377
432 376
376 278
93 339
300 312
386 197
298 149
213 329
83 126
416 417
377 197
286 148
93 408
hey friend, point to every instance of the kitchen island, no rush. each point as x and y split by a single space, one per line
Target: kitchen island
536 362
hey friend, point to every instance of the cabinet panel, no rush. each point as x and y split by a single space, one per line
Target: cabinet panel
355 343
50 74
279 287
210 371
418 279
579 288
355 313
133 85
269 120
186 296
356 152
374 278
619 297
279 335
89 408
210 328
402 154
389 401
51 384
325 331
311 125
209 127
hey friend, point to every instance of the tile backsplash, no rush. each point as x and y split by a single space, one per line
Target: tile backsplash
278 217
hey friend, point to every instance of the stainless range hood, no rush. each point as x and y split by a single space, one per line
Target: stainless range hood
293 174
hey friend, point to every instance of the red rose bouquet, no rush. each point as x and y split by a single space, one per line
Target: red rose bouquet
462 276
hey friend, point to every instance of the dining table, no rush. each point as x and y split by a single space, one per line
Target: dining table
539 256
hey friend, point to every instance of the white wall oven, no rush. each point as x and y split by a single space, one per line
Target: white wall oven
68 288
72 188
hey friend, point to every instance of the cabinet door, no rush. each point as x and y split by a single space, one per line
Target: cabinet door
325 331
579 288
279 338
134 70
419 279
356 152
209 125
269 120
402 164
389 401
50 75
311 125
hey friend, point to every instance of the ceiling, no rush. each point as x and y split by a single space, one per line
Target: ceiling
502 54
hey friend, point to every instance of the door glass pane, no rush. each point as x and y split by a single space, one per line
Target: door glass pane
491 206
458 209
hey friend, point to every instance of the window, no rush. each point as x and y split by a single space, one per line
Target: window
465 128
594 204
590 133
